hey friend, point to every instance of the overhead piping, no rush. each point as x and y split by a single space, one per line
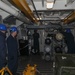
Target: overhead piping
54 1
14 12
69 2
43 3
70 18
23 6
35 10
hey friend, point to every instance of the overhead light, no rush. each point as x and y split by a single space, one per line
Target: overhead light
50 5
39 18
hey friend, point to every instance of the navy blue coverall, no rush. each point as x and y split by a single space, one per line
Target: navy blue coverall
2 50
12 54
36 42
69 39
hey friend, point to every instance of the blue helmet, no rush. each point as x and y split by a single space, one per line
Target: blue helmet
3 27
13 29
68 30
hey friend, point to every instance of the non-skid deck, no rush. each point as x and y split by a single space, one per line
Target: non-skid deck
43 67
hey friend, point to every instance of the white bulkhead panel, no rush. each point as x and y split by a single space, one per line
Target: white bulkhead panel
58 4
73 5
61 4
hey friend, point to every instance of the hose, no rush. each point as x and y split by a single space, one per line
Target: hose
24 47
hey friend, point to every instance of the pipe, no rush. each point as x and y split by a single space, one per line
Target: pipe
68 10
54 1
70 18
12 11
35 10
23 6
42 3
69 2
18 4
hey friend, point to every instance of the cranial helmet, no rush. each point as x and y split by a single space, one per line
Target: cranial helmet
3 27
13 29
68 30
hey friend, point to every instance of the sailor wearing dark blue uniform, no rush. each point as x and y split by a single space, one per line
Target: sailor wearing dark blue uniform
36 41
69 39
3 50
12 50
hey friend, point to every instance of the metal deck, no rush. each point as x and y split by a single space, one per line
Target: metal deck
44 67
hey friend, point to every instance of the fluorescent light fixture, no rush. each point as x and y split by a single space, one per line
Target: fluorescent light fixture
50 5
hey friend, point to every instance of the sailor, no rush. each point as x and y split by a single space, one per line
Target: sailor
69 39
3 50
12 50
36 41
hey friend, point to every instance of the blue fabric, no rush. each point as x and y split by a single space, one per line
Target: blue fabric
2 50
12 54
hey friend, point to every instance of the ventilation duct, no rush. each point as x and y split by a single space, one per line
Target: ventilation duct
14 12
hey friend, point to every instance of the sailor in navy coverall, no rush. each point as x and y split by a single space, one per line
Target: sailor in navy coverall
12 50
2 46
